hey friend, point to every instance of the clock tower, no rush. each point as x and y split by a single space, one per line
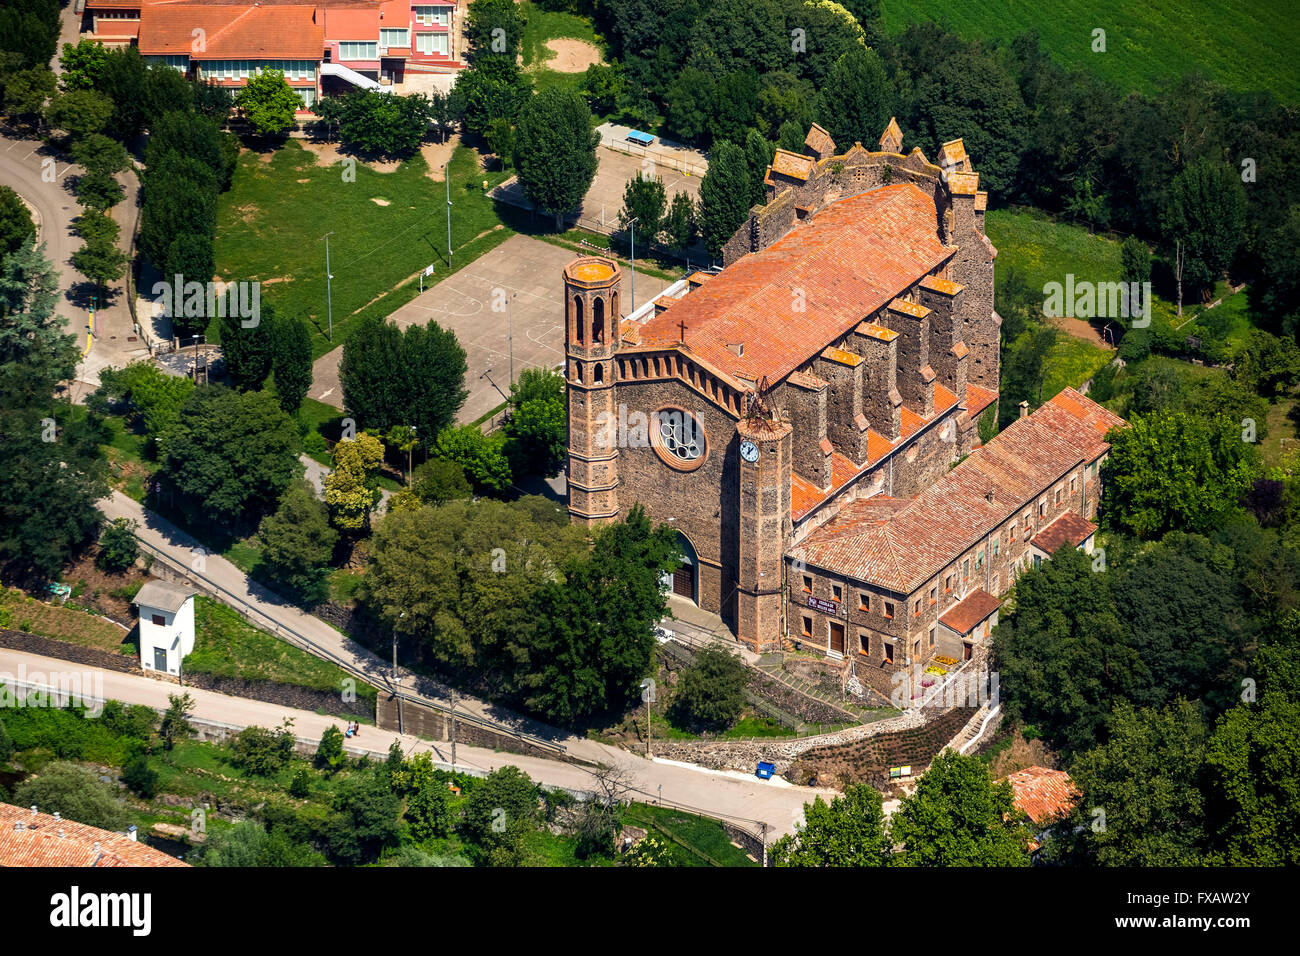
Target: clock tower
764 523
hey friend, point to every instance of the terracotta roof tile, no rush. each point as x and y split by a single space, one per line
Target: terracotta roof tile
967 503
794 165
45 841
1043 795
806 380
978 399
914 309
250 32
1069 528
877 331
878 446
966 615
818 140
964 184
849 260
944 286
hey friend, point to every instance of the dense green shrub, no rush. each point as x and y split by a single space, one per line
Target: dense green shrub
711 691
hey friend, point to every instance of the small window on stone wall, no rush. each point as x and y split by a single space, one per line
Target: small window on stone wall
837 592
889 609
807 583
864 601
598 374
807 626
889 653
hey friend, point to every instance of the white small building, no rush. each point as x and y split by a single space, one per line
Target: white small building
166 625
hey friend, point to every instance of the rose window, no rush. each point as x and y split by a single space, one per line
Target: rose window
680 435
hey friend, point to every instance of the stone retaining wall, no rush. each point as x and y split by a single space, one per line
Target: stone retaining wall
50 647
272 692
435 724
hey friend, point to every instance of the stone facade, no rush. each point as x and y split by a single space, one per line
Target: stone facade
847 348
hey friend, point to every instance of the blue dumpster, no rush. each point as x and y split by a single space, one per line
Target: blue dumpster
765 770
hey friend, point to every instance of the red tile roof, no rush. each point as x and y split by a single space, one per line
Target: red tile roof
848 260
1070 528
45 841
241 32
978 399
1043 795
806 496
964 505
351 23
971 611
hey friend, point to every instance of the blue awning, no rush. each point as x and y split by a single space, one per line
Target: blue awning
640 138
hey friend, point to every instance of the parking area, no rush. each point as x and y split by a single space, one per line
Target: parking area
613 172
524 272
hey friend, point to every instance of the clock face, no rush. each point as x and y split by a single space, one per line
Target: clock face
749 451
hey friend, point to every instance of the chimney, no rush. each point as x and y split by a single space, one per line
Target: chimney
19 827
1024 409
57 816
131 832
33 808
96 848
62 835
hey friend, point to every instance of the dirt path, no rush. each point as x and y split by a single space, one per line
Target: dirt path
1081 330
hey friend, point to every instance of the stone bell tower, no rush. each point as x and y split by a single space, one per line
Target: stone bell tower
591 313
765 455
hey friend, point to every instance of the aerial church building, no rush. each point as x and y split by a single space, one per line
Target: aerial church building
799 416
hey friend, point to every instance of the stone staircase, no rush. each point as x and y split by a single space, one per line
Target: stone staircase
770 664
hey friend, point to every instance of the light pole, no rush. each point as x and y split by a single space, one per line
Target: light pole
446 178
648 695
510 332
632 226
329 298
394 675
454 697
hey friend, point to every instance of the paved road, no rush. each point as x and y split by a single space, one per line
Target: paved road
736 794
22 162
39 175
742 798
245 594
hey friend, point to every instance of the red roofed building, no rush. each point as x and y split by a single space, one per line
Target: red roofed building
925 579
1043 795
40 839
808 402
369 43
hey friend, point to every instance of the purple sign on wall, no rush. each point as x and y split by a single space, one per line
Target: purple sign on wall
826 607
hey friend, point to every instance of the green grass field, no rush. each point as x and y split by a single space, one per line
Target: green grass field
271 221
1243 44
226 645
1042 250
541 26
693 840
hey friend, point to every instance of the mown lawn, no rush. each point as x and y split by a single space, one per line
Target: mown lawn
693 840
271 221
1243 44
227 645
